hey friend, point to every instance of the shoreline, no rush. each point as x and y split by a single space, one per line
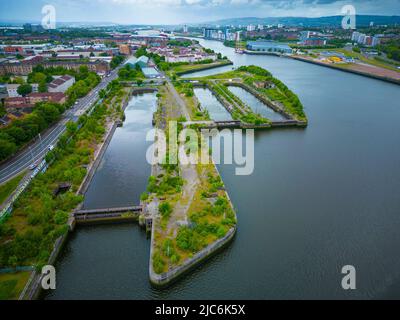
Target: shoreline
360 73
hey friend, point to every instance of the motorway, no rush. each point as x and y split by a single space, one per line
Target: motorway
37 150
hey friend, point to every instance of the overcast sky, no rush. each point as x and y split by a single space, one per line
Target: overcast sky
185 11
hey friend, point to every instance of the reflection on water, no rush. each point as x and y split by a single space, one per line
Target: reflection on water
256 105
124 171
208 101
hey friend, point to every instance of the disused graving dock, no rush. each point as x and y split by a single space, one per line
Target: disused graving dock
288 121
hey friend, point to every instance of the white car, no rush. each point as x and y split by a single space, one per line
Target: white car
51 147
33 166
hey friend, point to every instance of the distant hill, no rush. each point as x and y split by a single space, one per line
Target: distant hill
332 21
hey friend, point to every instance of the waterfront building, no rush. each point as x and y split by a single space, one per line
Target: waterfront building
362 38
268 46
208 33
354 36
312 38
375 41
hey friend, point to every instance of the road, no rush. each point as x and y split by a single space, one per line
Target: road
39 148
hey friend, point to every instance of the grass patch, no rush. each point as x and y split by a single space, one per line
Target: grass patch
8 188
12 284
186 68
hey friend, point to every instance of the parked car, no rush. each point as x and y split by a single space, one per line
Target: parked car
51 147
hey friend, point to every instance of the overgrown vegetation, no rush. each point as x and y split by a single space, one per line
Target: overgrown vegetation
85 80
127 73
210 217
21 131
39 217
241 112
392 49
7 188
116 61
11 284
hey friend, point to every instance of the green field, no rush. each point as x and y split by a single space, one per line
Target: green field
8 188
12 284
197 67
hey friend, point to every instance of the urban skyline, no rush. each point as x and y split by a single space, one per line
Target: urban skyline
184 11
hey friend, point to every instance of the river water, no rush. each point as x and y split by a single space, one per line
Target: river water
209 102
319 198
256 105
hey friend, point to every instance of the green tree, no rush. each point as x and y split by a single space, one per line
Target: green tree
72 127
24 89
7 148
42 87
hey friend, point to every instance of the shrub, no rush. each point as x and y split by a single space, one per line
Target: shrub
158 263
144 196
165 209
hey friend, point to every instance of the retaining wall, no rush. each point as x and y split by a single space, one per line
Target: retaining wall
360 73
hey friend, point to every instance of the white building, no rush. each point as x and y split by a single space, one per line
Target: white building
61 84
190 58
12 89
375 41
251 27
354 36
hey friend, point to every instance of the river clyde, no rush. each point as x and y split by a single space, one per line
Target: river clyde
319 198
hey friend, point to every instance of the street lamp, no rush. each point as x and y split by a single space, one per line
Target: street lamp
30 150
40 139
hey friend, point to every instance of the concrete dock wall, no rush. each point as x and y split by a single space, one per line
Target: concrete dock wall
360 73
